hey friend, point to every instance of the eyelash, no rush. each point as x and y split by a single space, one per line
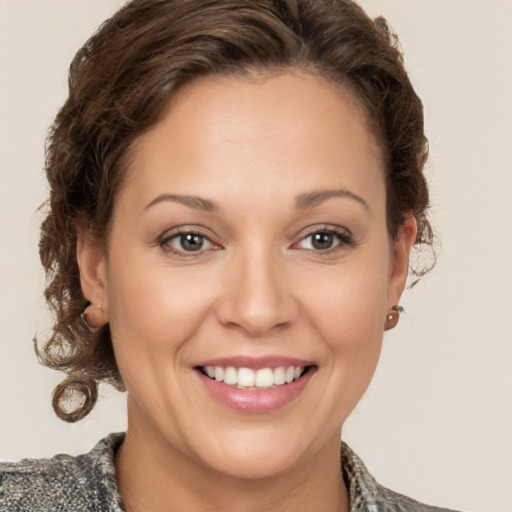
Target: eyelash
344 238
179 232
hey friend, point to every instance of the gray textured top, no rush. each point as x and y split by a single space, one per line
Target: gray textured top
87 483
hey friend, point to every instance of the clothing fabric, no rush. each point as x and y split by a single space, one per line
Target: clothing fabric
87 483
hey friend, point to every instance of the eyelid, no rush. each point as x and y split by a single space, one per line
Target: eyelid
343 235
163 240
318 228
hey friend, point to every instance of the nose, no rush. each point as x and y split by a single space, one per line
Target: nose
256 294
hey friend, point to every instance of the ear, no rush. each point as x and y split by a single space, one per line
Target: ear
399 269
92 264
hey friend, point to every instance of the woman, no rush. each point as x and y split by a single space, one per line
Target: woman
235 189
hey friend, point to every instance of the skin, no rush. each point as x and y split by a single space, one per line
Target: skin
257 287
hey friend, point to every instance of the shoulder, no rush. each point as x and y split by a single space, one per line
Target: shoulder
367 495
392 501
82 483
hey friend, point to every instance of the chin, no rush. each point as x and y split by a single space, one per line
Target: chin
255 463
256 453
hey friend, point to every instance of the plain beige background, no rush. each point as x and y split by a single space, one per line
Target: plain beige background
436 422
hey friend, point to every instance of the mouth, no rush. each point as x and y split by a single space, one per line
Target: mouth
255 379
255 385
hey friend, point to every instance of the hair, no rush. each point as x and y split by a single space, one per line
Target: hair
120 82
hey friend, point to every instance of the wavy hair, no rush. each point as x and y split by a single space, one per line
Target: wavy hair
119 84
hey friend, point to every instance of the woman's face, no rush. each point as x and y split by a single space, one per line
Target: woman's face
250 238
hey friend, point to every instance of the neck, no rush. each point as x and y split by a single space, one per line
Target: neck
152 474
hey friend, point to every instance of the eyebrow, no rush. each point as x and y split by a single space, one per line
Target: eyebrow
302 202
195 202
311 199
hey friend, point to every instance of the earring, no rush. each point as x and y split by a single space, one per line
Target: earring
93 316
393 317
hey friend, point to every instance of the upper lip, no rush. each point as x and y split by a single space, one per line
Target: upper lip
255 363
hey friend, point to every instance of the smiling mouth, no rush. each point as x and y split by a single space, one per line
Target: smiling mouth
249 379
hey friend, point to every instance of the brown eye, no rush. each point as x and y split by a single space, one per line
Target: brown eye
325 240
187 242
191 242
322 241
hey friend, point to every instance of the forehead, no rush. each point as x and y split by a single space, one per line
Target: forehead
257 133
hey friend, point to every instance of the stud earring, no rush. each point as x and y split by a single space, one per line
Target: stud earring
393 317
93 316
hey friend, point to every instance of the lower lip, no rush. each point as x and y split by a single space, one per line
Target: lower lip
256 400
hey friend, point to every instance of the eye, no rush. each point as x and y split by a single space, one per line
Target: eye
324 240
187 242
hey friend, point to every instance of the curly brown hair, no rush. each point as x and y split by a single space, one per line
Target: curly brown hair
119 84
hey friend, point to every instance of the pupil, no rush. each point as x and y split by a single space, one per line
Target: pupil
191 242
322 240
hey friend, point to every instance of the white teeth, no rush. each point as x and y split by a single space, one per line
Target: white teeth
230 375
219 373
246 377
279 377
263 378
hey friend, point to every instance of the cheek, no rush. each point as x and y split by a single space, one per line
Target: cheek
349 306
153 314
154 309
347 309
351 325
